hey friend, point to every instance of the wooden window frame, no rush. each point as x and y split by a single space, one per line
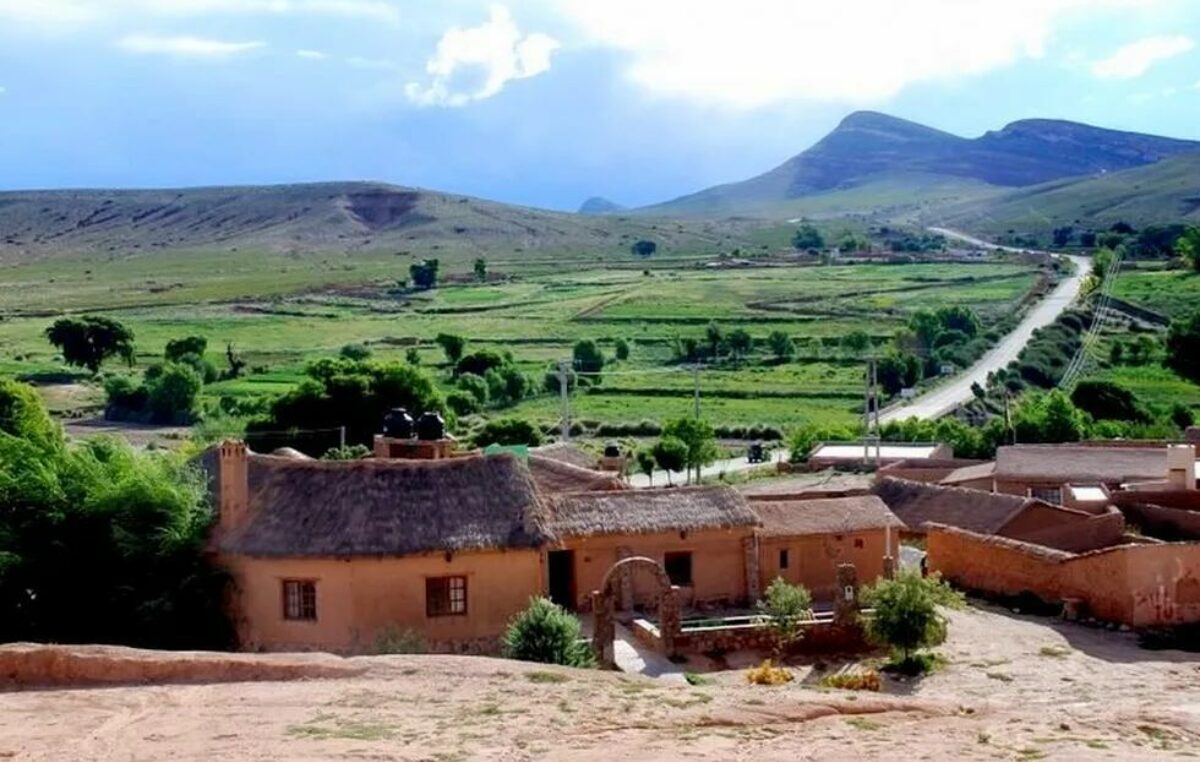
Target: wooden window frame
305 609
446 596
691 571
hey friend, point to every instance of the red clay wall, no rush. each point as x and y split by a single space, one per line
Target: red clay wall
1065 529
1168 522
1139 585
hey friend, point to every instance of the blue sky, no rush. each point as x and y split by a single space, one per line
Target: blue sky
546 102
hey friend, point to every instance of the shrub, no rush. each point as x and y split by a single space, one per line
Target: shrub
621 349
508 431
785 607
804 439
356 352
479 362
462 404
171 394
1105 400
473 386
769 674
1183 347
906 616
452 346
545 632
348 452
867 680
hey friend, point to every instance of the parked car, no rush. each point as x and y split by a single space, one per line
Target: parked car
756 453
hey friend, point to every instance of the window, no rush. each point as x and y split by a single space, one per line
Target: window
679 568
783 559
445 596
1052 495
858 543
300 600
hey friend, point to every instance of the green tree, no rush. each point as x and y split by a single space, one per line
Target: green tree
715 338
670 454
644 248
786 608
906 616
621 349
588 358
645 464
481 270
1049 417
546 633
959 318
452 346
802 440
1105 400
1102 260
90 340
412 356
357 352
189 345
897 371
508 431
740 343
856 342
474 386
781 345
1187 246
172 394
480 362
699 438
424 275
807 238
1183 347
234 362
1181 415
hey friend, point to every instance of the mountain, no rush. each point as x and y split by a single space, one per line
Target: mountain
1167 191
318 217
869 147
599 205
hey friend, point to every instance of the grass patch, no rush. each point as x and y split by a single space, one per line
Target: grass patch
695 679
546 677
862 723
327 726
1054 652
919 663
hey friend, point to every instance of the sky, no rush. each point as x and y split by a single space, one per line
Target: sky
548 102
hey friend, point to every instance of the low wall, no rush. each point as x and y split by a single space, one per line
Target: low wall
1167 523
1066 529
822 637
930 470
1138 585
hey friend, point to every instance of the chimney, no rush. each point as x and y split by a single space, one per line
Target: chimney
1181 466
233 486
404 439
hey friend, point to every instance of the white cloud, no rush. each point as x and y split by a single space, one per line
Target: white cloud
312 55
183 46
477 62
1135 59
74 12
758 52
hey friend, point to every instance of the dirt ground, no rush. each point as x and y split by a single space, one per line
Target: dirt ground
1015 687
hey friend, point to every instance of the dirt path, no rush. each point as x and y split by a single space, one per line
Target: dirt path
1015 687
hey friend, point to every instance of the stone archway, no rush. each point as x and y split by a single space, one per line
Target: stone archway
604 606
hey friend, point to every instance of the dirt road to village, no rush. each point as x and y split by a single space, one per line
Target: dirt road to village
1015 687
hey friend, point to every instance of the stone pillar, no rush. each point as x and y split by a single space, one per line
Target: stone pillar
845 607
603 627
668 619
751 552
889 567
624 580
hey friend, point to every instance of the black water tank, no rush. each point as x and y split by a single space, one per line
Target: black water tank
612 450
431 426
398 424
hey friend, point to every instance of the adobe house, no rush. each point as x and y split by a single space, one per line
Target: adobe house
328 555
804 539
703 537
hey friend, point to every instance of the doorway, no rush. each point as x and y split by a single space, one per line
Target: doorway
561 568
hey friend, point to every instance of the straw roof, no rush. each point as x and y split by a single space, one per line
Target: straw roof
970 473
916 503
794 516
566 452
1074 463
556 476
648 511
387 507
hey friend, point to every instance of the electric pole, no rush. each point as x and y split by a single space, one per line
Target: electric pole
564 366
870 412
696 388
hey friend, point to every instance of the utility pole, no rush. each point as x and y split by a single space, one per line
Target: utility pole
563 367
342 437
870 412
696 388
875 407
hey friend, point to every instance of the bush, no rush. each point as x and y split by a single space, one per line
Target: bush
473 386
479 362
769 674
462 404
906 616
804 439
785 607
867 680
508 431
545 632
349 452
621 349
171 394
357 352
1183 347
1105 400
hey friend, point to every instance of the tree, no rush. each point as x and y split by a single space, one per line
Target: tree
897 371
1187 246
781 345
786 608
959 318
546 633
1183 347
670 454
714 336
234 361
171 394
807 238
621 349
699 438
90 340
1181 415
424 275
452 346
1087 240
480 362
473 386
802 441
190 345
1049 418
1105 400
645 464
588 358
740 342
906 616
856 342
644 248
357 352
481 270
1062 236
508 431
412 356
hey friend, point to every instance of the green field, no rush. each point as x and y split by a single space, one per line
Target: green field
1174 293
282 311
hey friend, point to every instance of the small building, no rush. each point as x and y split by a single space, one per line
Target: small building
861 454
332 555
803 539
1045 471
703 537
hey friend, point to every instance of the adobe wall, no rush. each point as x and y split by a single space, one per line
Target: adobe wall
1139 585
718 564
1065 529
929 471
1174 523
359 598
824 637
813 559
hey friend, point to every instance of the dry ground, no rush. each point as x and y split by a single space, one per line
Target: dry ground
1015 688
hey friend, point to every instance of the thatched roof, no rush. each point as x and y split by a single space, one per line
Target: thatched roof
1074 463
556 476
648 511
566 452
387 507
970 473
799 515
916 503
